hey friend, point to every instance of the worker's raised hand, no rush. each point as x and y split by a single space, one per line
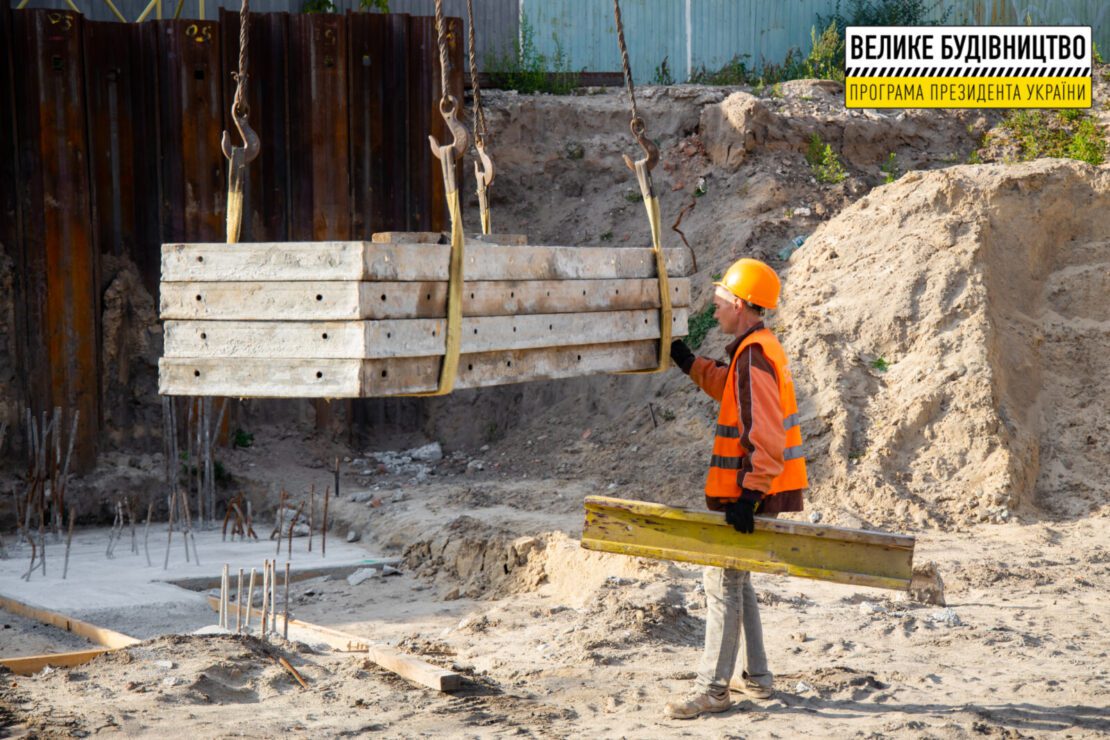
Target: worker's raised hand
741 514
682 356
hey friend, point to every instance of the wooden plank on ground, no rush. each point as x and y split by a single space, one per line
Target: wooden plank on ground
343 260
407 337
347 300
269 378
406 666
32 664
100 635
858 557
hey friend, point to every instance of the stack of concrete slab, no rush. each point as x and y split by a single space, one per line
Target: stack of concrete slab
364 319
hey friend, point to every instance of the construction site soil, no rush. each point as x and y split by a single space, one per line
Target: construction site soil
949 334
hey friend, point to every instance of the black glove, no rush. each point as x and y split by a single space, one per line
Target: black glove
741 514
682 356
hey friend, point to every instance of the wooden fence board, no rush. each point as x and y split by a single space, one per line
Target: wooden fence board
194 175
60 295
10 234
266 200
318 128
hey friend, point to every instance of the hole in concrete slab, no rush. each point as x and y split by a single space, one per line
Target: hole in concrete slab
324 335
196 373
200 258
319 374
319 297
204 335
383 296
385 373
469 367
198 296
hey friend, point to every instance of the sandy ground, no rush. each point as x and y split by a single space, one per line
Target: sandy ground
588 644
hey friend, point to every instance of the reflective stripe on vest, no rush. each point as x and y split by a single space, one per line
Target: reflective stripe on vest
728 453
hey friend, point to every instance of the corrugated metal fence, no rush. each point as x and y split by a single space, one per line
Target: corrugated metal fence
689 33
110 146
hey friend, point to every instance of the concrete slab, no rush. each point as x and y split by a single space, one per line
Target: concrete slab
96 582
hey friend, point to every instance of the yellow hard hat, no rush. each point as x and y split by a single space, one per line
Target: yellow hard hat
752 281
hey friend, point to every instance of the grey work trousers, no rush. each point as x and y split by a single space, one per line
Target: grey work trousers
732 611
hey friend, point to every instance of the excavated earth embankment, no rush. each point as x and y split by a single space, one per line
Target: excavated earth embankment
950 333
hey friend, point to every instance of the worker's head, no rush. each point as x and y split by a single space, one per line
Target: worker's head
748 288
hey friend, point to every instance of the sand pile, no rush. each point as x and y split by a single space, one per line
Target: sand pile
949 338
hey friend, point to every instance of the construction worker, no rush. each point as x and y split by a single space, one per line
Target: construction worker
757 467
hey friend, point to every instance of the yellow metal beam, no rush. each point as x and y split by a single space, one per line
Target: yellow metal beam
858 557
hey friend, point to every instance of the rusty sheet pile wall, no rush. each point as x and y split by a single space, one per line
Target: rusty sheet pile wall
110 146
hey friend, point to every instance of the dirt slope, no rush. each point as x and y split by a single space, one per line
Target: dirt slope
949 337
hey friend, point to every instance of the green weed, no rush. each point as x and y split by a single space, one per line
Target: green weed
887 13
699 326
663 74
527 70
880 364
607 236
890 169
239 438
826 166
1068 133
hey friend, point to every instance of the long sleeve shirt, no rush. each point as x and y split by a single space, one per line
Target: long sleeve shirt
760 418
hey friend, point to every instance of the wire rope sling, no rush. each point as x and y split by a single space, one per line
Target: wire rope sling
643 168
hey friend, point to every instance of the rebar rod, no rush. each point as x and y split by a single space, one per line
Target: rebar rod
69 540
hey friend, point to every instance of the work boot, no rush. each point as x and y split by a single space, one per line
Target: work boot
745 685
697 704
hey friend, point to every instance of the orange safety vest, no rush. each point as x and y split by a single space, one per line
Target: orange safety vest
727 450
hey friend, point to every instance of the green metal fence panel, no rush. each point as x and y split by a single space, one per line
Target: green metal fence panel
692 34
586 33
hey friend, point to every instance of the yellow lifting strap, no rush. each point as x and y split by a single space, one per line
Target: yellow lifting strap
448 154
643 168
